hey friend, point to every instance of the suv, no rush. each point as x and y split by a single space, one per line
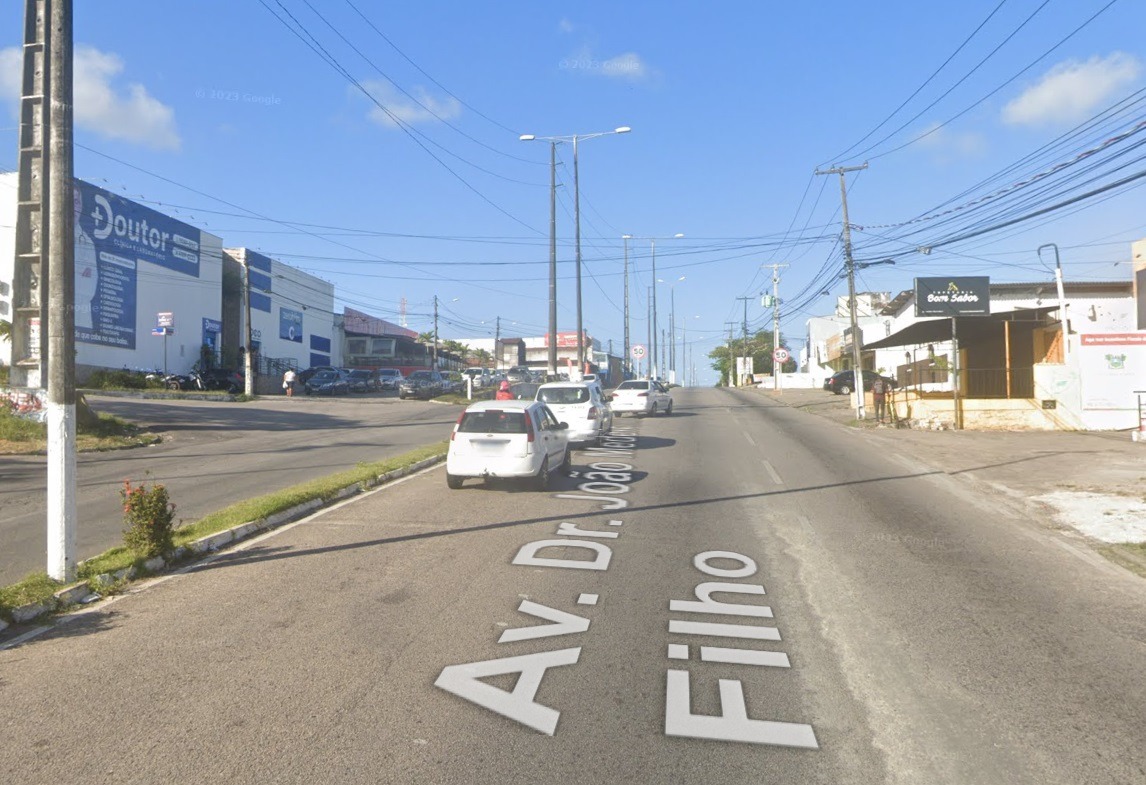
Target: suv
843 382
519 373
422 384
390 378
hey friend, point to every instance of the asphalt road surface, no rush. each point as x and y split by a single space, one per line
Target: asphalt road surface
213 454
764 603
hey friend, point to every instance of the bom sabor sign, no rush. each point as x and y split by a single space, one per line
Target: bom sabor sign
964 296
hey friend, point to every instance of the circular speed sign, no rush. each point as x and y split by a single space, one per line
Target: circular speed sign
780 355
637 351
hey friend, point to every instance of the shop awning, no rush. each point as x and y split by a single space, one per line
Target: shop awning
970 327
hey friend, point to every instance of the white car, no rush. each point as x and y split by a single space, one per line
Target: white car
582 406
641 396
507 439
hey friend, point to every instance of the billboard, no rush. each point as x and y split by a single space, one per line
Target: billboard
955 296
290 324
114 239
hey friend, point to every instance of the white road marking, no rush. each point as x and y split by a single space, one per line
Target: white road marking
748 436
772 659
724 630
587 599
768 467
678 651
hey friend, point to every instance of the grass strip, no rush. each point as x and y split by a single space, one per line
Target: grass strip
38 587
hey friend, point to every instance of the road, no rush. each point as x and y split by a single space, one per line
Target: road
882 622
213 454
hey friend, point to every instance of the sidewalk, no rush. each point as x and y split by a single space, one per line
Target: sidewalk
1093 482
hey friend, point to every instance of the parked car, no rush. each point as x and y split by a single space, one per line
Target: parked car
329 382
305 376
581 406
641 396
518 373
390 378
481 376
507 439
421 384
843 382
364 381
453 382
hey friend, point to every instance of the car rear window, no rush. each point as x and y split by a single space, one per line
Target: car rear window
493 421
563 395
633 386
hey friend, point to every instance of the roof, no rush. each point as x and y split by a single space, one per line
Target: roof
514 403
939 330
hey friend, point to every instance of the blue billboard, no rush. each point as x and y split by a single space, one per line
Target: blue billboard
113 236
290 325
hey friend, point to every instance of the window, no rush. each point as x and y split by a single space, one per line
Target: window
493 421
565 395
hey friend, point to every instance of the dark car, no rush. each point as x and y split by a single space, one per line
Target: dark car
364 381
519 373
843 382
329 382
305 376
421 384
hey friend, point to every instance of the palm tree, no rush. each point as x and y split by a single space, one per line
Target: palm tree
5 330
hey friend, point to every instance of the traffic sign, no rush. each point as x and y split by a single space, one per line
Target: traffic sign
165 319
638 351
780 355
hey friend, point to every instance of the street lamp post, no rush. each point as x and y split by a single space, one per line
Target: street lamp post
554 140
672 327
655 363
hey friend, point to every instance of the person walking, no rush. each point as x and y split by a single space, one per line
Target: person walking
879 397
289 379
503 392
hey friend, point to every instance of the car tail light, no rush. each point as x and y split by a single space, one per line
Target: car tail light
528 428
643 395
592 415
454 432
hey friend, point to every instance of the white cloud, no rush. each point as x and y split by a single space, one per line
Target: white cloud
1072 90
402 108
129 113
953 144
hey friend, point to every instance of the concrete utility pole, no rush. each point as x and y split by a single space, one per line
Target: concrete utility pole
627 362
249 355
731 357
435 365
497 348
775 322
851 269
61 333
552 259
744 324
649 324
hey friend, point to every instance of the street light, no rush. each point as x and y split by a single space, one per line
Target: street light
627 363
553 142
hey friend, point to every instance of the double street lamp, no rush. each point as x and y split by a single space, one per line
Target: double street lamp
655 364
553 142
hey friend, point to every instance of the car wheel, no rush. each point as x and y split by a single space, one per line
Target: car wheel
541 480
567 461
844 389
668 409
401 397
453 481
653 413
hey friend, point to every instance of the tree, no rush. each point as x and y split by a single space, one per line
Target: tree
759 346
5 330
456 348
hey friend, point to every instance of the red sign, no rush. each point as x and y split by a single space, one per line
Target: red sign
567 340
1114 339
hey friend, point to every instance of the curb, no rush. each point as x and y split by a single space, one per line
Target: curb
82 593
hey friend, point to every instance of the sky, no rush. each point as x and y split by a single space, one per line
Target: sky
376 145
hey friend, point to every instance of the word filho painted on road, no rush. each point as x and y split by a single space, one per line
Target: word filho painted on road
733 722
604 483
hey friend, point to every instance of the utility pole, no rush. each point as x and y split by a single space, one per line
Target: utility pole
61 408
775 321
649 325
731 357
656 366
249 355
552 260
851 269
627 362
435 365
744 349
497 348
577 230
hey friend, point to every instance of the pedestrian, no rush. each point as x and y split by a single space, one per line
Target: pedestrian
289 379
879 397
503 392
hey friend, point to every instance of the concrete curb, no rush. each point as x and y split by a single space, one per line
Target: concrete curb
78 593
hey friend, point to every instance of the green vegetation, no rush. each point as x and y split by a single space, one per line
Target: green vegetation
110 379
98 432
39 587
149 517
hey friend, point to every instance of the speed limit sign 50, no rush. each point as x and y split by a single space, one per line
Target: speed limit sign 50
638 351
780 355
